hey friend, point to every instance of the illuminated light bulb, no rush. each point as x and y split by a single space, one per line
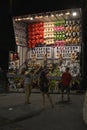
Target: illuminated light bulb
31 18
74 13
67 13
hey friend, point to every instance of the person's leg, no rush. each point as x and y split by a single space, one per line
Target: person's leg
62 94
29 93
26 94
50 99
68 94
43 100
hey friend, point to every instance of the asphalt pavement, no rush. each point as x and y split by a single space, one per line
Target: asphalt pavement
13 109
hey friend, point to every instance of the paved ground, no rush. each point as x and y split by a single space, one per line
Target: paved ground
85 109
12 107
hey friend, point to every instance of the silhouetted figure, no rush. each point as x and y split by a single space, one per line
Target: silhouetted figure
65 81
44 86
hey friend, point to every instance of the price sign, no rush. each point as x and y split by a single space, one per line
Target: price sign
66 51
40 52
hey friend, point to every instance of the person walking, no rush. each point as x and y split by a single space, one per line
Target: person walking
44 86
28 86
65 81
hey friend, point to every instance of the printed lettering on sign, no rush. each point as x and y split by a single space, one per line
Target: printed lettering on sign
66 51
40 52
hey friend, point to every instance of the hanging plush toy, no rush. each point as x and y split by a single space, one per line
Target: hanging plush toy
73 57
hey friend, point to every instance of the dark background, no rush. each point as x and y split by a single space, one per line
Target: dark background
34 6
10 8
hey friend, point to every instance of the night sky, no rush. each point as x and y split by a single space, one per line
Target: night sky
20 7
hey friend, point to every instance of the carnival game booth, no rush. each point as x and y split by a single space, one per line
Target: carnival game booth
52 39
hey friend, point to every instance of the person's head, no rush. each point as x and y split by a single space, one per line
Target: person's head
47 73
67 69
23 71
